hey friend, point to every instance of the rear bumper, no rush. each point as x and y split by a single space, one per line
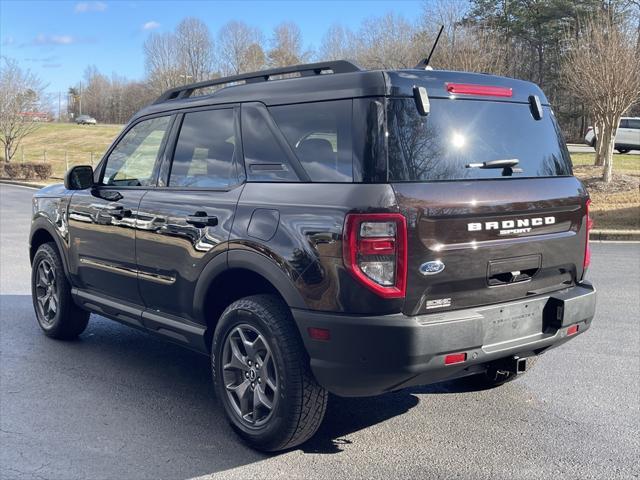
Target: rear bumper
369 355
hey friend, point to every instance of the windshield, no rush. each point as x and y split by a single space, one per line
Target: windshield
458 136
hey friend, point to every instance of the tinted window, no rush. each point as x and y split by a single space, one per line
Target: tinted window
459 132
634 123
204 152
264 157
320 136
132 161
624 123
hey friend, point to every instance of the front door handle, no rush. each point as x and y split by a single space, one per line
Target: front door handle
117 211
201 220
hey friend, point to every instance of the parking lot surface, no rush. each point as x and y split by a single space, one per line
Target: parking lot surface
120 404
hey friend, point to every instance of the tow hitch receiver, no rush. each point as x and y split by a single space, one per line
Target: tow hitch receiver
507 366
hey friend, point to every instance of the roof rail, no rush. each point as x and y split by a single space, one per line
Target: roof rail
309 69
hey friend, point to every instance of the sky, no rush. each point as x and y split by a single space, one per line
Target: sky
57 40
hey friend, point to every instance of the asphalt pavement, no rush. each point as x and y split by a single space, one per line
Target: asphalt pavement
121 404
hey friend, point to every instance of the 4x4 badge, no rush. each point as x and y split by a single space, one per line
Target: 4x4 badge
431 268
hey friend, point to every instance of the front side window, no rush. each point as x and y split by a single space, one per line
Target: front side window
319 133
131 163
204 153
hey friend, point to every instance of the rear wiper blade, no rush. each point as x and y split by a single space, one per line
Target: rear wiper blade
506 163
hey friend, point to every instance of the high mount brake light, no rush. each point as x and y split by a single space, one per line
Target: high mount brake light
374 247
483 90
587 249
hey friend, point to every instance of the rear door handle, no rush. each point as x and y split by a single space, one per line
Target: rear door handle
201 219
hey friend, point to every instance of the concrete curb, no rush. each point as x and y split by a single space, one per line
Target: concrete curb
624 235
23 184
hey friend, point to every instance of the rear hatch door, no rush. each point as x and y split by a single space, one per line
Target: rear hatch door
480 236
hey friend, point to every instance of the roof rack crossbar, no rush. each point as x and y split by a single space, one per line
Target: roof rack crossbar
185 91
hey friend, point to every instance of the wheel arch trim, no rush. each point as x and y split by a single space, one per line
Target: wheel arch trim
247 260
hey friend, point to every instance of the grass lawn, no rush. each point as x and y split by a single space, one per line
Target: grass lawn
629 164
616 206
79 141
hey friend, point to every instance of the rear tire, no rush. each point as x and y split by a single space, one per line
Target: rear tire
57 314
494 378
262 375
623 150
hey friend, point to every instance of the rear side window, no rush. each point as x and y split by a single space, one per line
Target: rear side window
320 136
204 152
457 133
264 157
634 123
624 123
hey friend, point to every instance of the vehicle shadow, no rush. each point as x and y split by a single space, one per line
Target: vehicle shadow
130 405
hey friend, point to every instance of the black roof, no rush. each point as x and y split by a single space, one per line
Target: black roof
332 81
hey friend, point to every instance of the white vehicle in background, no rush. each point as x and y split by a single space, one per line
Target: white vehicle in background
86 120
627 135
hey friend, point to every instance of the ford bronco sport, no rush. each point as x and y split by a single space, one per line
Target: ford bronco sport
322 228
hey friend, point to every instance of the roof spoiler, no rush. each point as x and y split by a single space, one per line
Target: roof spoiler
306 70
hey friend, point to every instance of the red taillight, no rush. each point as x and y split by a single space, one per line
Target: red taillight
572 330
484 90
454 358
374 248
587 249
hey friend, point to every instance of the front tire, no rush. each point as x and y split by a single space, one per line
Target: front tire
623 150
262 375
57 314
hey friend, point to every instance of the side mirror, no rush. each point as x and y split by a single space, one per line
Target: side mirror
79 178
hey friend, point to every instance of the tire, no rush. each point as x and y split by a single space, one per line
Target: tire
623 150
593 142
493 378
57 314
264 324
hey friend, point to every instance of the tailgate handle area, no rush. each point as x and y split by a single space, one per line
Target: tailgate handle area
506 271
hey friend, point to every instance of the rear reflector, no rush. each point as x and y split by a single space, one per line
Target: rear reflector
484 90
587 249
454 358
319 334
572 330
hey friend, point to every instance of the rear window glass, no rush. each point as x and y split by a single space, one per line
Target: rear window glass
457 133
264 157
320 136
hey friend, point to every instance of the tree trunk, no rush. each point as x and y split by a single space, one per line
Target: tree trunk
607 151
598 131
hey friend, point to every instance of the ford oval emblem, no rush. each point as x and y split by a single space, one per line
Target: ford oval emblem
431 268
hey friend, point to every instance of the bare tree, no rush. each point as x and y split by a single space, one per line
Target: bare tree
194 49
338 43
286 46
161 61
240 48
388 42
602 68
173 59
20 94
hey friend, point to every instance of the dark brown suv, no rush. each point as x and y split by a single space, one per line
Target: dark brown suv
322 228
